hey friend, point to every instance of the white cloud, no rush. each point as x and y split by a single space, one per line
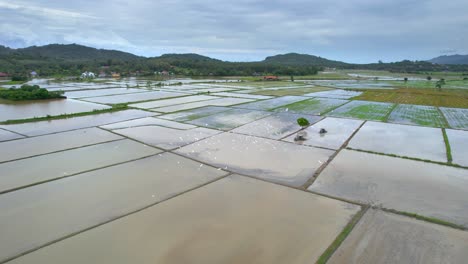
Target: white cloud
358 30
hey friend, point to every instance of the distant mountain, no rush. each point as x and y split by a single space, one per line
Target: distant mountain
5 50
297 59
68 52
73 59
450 59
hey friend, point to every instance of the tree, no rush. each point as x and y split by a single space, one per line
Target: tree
440 83
429 78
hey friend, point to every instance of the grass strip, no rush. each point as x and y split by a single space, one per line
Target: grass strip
115 108
341 237
447 146
427 219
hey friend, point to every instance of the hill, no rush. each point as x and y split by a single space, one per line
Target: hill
71 52
450 59
297 59
73 59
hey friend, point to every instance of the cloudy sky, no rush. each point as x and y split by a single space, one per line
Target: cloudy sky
359 31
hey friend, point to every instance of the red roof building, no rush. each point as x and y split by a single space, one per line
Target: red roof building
270 78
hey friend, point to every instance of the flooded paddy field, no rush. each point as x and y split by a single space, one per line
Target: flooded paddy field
427 189
388 238
363 110
8 135
273 160
338 132
401 140
422 115
456 117
314 106
276 126
25 110
183 175
237 217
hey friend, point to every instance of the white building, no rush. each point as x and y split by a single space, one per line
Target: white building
88 75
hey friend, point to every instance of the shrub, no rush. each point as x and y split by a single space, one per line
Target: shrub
303 122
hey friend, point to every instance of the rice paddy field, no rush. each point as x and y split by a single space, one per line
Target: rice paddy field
176 169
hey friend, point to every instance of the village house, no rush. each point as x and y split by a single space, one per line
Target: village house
270 78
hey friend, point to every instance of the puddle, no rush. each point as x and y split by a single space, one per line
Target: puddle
7 135
214 102
18 173
338 131
363 110
402 140
456 117
268 159
315 106
264 222
275 126
102 92
148 121
417 115
40 214
381 237
126 98
166 138
60 125
43 108
174 101
229 119
28 147
458 140
272 103
405 185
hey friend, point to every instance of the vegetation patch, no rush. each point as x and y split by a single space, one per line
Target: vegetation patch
315 106
29 92
447 146
363 110
447 98
456 117
417 115
115 108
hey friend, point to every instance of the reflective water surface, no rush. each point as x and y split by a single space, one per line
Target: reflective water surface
28 147
42 108
410 141
126 98
406 185
46 212
166 138
235 220
338 131
19 173
458 140
174 101
381 237
59 125
7 135
275 126
273 160
229 119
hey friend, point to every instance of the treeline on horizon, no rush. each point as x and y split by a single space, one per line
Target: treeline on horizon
72 60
